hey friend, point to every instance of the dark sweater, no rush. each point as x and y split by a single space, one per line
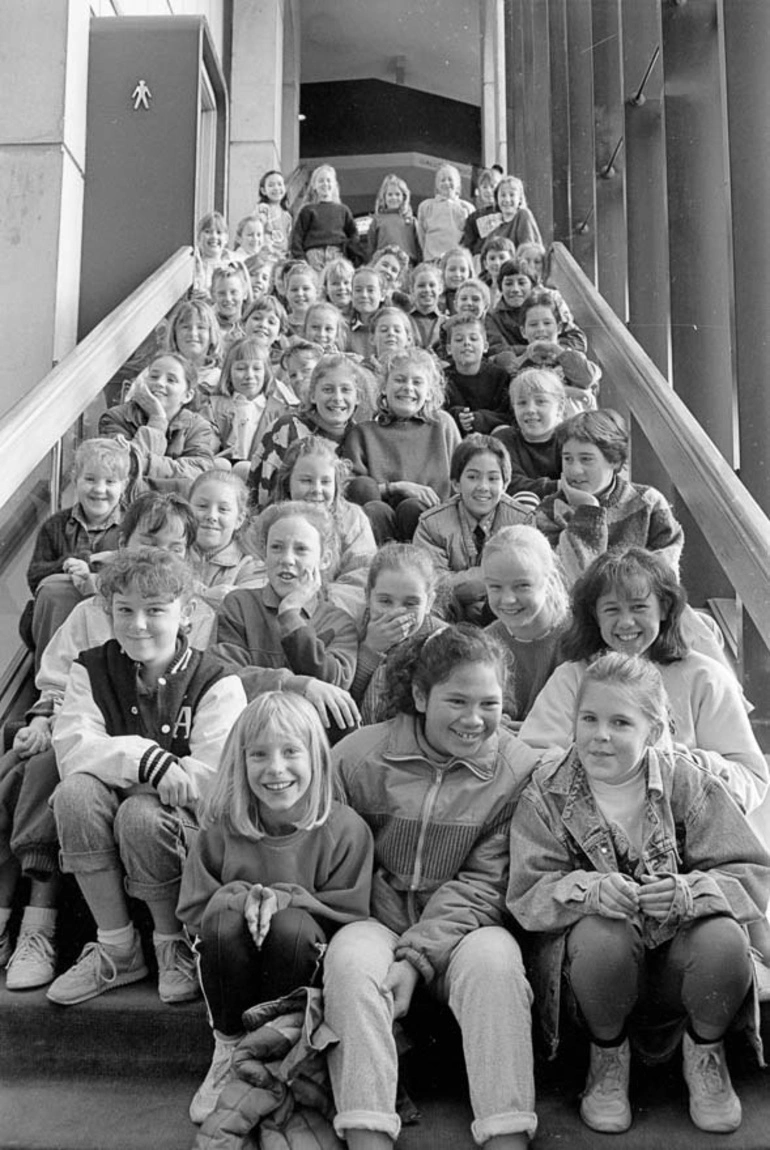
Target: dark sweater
534 466
325 225
65 536
485 393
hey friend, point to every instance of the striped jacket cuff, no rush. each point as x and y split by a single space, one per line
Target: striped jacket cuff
153 765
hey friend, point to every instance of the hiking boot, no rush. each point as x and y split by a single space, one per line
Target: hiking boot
177 971
33 963
98 969
219 1074
605 1105
714 1105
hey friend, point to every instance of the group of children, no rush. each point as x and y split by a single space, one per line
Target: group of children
372 670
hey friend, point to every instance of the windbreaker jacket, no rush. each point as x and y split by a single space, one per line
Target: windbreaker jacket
440 832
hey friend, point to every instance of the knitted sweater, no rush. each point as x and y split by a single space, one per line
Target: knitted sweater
269 452
534 466
391 228
326 870
530 665
409 449
67 534
273 652
324 225
440 224
485 394
628 515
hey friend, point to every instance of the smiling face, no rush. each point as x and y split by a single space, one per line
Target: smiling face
456 272
146 626
301 291
391 333
247 377
493 261
367 292
321 327
313 479
293 549
630 617
171 537
515 289
274 187
299 368
516 591
98 491
540 324
193 337
537 413
212 241
425 291
229 295
463 711
585 467
167 382
263 323
467 344
447 183
470 301
394 198
399 591
338 289
508 199
406 389
611 733
335 398
215 505
252 237
279 771
481 484
324 185
260 281
388 266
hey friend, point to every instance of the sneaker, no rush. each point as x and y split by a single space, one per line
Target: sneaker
98 969
33 963
177 971
714 1105
605 1105
6 947
219 1073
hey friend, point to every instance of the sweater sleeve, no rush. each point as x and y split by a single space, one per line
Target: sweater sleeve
201 876
233 648
354 449
323 647
49 553
577 534
196 456
550 722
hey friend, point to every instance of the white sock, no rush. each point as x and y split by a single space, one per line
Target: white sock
157 937
39 920
5 914
228 1039
120 939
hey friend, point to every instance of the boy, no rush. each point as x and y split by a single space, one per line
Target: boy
476 390
28 774
544 331
297 363
137 740
537 400
368 288
494 252
506 341
59 574
455 532
425 295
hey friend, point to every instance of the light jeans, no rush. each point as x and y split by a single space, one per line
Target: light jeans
488 993
100 828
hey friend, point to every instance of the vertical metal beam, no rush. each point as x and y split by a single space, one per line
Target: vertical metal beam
559 133
649 302
514 38
699 245
539 182
746 28
582 241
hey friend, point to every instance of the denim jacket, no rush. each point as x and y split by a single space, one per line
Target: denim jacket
561 847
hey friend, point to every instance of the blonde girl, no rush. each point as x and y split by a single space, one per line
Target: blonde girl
219 501
538 402
272 208
243 406
456 266
267 321
249 236
193 331
278 865
231 293
260 271
301 288
392 263
401 458
393 221
392 331
526 592
325 228
401 590
441 219
211 250
336 281
507 218
325 326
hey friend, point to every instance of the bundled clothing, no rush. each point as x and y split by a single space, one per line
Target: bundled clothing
162 460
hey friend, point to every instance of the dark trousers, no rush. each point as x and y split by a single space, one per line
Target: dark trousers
27 826
392 519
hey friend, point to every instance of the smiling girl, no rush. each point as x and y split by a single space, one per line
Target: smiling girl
218 500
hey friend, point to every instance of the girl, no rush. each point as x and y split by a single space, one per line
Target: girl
437 783
211 250
486 182
325 326
336 280
639 875
312 471
392 331
552 342
440 220
400 591
532 259
368 291
231 292
494 252
170 444
336 388
247 402
506 341
392 263
301 286
287 635
393 221
266 319
298 360
401 458
249 236
526 594
456 266
193 332
508 218
472 299
631 602
456 533
596 509
260 272
426 313
273 210
537 399
325 229
219 499
278 865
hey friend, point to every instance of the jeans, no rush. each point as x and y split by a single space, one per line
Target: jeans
27 827
488 993
235 975
100 829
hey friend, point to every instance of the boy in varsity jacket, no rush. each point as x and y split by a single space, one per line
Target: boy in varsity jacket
138 738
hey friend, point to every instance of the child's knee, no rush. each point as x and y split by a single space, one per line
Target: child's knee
75 796
604 943
137 818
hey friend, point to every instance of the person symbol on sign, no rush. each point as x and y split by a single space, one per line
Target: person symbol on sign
141 96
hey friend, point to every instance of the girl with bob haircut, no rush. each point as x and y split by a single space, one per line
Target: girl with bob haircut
261 912
439 781
193 332
393 222
639 879
632 603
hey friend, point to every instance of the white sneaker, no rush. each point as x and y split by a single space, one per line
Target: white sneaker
714 1105
177 972
98 969
605 1106
219 1074
33 963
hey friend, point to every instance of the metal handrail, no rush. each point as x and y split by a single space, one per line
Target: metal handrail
35 425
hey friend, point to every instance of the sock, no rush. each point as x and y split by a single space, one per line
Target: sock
157 937
120 939
39 920
5 914
609 1043
228 1039
697 1038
